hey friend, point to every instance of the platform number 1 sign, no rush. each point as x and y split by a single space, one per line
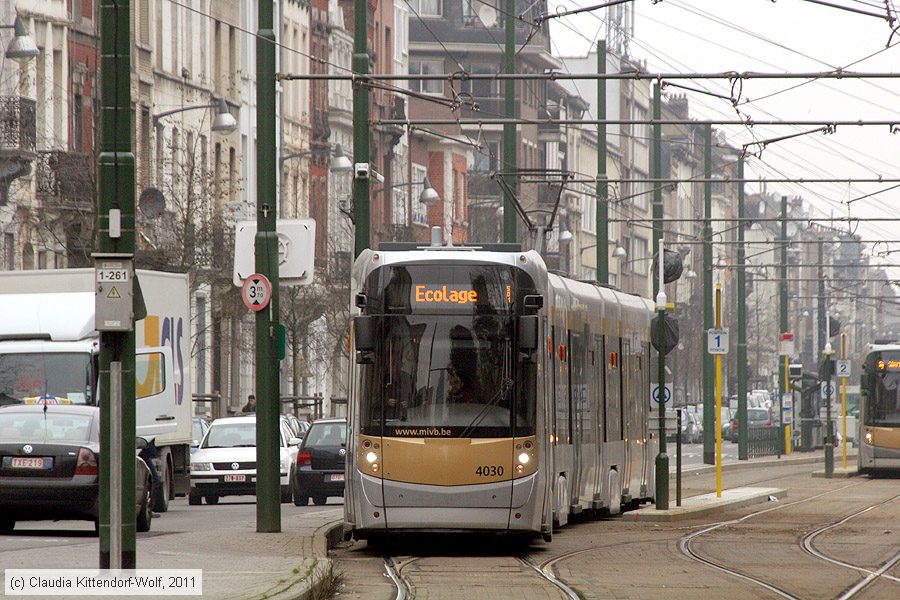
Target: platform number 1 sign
717 341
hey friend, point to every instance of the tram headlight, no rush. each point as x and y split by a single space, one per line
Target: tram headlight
524 458
371 457
868 437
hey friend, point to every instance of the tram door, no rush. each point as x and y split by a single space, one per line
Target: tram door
577 398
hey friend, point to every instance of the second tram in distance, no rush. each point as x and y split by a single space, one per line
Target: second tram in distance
488 394
878 432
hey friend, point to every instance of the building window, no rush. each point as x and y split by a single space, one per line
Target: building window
427 67
482 88
471 16
9 251
77 124
428 8
588 213
201 351
420 211
401 29
486 158
641 131
640 190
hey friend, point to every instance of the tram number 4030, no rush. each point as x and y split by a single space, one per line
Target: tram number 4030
487 471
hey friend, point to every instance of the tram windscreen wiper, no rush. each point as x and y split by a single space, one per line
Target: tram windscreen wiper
506 384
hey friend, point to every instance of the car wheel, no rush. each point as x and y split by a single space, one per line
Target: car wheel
161 497
320 500
300 500
212 499
6 525
194 499
145 515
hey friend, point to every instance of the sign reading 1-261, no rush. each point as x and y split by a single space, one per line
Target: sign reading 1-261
717 341
257 292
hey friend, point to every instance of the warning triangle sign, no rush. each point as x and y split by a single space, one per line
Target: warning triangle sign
113 293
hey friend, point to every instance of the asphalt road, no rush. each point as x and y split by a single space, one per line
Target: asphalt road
180 518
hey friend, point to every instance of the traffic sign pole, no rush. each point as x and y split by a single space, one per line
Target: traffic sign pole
718 397
843 404
787 390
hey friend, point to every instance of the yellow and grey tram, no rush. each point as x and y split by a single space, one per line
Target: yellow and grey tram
879 410
488 394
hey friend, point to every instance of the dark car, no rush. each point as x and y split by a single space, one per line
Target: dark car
320 462
49 466
757 418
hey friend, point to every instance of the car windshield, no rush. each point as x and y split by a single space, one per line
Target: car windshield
755 414
326 434
231 435
62 378
197 434
44 427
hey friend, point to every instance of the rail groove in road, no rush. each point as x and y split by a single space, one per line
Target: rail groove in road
869 575
807 544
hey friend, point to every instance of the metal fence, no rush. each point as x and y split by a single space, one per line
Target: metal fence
763 441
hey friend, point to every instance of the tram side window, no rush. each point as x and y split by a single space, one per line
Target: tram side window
581 403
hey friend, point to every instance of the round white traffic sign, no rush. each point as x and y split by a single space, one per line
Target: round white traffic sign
257 292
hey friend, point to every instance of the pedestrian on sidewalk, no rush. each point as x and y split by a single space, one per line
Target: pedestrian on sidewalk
250 407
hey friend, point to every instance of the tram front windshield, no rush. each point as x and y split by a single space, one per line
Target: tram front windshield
445 365
883 400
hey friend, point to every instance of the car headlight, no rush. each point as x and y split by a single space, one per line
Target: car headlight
201 466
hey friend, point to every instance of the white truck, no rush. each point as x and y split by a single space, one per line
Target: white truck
49 353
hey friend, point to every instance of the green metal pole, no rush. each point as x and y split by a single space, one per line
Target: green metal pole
116 183
602 180
656 168
268 472
829 433
361 193
509 129
813 414
741 322
827 355
678 458
783 318
709 401
662 459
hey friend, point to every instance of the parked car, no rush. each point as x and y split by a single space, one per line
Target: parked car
296 425
49 466
199 427
225 462
321 461
691 428
757 418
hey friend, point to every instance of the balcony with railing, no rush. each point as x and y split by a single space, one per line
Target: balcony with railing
65 181
18 127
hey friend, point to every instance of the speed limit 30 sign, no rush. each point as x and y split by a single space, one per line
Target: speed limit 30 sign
257 292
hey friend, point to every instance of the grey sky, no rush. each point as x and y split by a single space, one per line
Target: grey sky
784 36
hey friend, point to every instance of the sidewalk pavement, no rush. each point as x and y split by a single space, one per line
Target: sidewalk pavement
794 458
237 562
706 505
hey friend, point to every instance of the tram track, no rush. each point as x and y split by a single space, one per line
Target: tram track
806 543
406 590
869 575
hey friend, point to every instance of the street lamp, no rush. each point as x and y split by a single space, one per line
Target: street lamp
340 163
619 252
22 48
428 196
224 121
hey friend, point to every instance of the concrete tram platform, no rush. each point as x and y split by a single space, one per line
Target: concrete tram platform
706 505
838 473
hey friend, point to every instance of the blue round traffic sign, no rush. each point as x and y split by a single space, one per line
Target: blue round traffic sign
667 394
